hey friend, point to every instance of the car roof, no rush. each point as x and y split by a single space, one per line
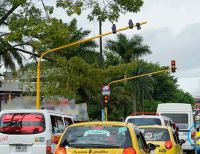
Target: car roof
154 126
149 116
113 123
35 111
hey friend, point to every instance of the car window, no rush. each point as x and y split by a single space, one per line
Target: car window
155 134
68 121
166 122
22 123
57 124
181 120
144 121
97 137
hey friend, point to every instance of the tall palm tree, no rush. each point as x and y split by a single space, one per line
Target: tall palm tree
131 50
8 55
128 49
120 101
84 50
142 87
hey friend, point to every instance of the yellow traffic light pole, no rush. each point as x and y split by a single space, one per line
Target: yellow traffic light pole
130 78
64 47
138 76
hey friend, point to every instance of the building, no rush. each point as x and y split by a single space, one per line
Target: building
12 86
197 102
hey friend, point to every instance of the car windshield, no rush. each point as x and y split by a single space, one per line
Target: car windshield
155 134
144 121
197 123
22 123
181 120
97 137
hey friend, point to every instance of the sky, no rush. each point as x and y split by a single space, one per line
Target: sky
172 32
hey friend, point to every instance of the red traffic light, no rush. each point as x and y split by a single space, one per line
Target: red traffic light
173 66
106 99
173 62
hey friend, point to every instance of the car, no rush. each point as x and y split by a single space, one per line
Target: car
104 138
31 131
182 115
142 120
164 138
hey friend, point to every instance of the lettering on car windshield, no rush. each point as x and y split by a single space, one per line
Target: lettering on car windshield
96 132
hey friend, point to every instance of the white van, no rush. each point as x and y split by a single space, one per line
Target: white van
182 115
31 131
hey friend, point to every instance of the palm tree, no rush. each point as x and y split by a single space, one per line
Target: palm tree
128 49
131 50
142 87
120 101
8 55
84 50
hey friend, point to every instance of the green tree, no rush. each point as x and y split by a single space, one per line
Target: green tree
142 88
128 49
84 50
184 97
100 9
165 87
8 55
151 105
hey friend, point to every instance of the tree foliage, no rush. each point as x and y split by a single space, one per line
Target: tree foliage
75 72
100 9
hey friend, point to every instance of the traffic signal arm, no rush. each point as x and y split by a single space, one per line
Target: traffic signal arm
138 76
66 46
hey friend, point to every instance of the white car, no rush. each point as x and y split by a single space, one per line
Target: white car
143 120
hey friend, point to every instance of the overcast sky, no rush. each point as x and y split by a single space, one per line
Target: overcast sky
172 32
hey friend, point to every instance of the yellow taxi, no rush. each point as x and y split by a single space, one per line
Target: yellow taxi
164 138
103 138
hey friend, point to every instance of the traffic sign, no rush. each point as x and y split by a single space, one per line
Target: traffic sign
105 90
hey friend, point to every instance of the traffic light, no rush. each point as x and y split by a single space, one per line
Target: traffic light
173 66
114 29
105 100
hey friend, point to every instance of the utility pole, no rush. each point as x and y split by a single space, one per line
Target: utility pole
100 43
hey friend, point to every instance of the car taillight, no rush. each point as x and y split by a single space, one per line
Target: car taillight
48 147
55 139
129 150
168 144
61 150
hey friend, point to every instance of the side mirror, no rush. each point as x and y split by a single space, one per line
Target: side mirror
151 146
182 141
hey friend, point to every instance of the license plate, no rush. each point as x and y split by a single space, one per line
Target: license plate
21 148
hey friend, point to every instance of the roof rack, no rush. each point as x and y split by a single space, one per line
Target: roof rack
145 113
